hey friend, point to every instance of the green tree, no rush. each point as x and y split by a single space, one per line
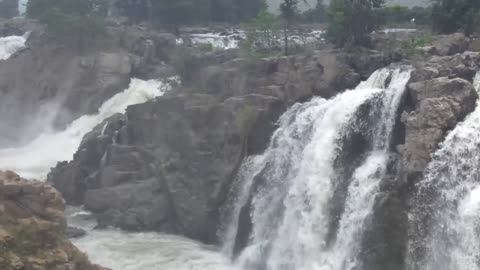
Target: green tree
449 16
135 10
289 12
172 13
79 20
263 35
351 21
317 14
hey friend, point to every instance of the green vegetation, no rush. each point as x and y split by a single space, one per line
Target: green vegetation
80 20
315 15
400 15
174 13
187 61
289 12
410 47
351 21
263 36
449 16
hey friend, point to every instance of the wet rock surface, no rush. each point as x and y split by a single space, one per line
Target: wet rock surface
78 79
33 228
168 164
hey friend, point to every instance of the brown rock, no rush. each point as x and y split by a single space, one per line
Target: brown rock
32 228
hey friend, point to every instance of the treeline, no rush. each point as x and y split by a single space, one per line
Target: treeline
349 22
181 12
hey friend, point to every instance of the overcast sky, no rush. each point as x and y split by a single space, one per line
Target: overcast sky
273 4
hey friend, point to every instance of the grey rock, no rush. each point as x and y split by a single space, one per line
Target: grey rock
73 232
172 170
439 104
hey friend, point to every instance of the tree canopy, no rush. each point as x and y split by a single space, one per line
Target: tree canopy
82 19
351 21
449 16
178 12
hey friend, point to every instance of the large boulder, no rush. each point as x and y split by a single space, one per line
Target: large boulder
451 44
33 228
168 164
439 104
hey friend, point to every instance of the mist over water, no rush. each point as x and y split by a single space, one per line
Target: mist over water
34 160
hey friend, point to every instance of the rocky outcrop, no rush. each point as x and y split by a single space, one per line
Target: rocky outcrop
291 79
167 165
53 83
398 45
33 226
439 95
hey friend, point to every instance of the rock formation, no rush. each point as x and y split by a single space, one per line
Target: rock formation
33 227
167 165
56 83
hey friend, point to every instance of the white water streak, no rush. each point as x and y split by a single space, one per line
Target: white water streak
34 160
10 45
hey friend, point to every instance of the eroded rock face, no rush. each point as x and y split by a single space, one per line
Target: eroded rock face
439 96
291 79
167 165
32 228
53 82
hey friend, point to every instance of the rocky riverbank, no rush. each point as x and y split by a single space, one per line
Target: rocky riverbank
33 228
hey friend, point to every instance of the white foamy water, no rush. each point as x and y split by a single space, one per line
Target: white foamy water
144 251
294 180
10 45
22 6
450 195
219 41
34 160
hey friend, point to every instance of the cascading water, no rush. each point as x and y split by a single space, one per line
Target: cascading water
35 159
10 45
288 192
445 232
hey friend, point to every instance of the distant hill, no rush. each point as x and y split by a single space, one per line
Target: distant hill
274 4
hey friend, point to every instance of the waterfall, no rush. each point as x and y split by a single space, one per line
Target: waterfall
290 192
35 159
10 45
445 232
22 6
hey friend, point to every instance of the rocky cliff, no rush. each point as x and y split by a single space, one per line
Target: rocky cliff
55 82
33 226
167 165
